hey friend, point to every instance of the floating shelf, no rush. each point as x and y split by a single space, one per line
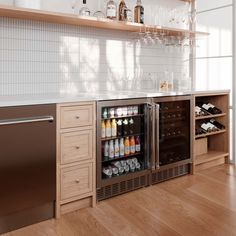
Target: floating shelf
210 134
210 156
210 116
70 19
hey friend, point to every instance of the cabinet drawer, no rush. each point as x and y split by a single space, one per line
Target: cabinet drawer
76 146
76 116
76 180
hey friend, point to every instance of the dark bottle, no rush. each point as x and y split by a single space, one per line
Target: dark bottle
125 127
122 11
139 13
210 108
217 124
131 126
119 128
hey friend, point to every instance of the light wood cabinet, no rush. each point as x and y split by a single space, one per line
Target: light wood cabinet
212 148
76 164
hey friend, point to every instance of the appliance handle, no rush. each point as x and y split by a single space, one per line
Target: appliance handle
153 143
26 120
157 125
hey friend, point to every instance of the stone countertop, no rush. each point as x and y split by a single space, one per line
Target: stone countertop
21 100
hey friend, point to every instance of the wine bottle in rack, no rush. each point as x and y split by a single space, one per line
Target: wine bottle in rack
217 124
210 108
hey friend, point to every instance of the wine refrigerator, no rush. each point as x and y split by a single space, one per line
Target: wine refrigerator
123 154
172 141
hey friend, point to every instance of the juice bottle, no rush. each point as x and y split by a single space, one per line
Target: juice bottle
122 147
111 150
106 149
137 144
132 145
103 129
117 148
113 128
127 146
108 128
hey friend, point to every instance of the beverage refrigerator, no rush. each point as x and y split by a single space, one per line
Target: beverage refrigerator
123 146
157 133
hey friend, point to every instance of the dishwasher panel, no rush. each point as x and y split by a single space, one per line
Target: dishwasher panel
27 165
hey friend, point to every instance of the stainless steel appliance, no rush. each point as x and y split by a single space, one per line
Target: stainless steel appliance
123 173
164 125
171 143
27 165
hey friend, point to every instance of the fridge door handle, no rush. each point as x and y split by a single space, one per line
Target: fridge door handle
153 137
157 141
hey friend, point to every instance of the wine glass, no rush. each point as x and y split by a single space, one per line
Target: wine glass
74 5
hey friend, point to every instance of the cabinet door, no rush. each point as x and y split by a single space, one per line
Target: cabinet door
77 146
76 180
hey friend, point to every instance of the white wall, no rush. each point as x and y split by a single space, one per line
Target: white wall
41 58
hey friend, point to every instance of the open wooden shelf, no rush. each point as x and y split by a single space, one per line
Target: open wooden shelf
210 116
70 19
210 134
210 156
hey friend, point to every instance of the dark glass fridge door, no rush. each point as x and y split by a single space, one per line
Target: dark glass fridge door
174 132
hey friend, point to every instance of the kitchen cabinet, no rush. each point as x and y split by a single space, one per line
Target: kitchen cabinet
75 156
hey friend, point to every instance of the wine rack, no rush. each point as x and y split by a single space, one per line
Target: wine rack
211 148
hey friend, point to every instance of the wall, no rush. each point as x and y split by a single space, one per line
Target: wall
42 58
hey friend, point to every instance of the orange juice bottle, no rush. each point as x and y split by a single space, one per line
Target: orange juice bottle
127 146
132 145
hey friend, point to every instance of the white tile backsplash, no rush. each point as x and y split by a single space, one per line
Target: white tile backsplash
42 58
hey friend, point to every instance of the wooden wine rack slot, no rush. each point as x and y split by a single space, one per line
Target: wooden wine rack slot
210 156
70 19
210 134
210 116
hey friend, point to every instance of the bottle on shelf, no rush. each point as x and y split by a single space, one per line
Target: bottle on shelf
122 147
217 124
111 112
132 145
124 111
117 148
118 112
84 11
129 15
122 11
105 113
111 149
111 10
130 111
139 13
106 149
113 128
127 146
103 129
210 108
119 127
107 171
137 144
125 127
131 126
108 128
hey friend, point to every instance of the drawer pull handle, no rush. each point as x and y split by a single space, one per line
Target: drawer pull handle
77 181
77 147
77 117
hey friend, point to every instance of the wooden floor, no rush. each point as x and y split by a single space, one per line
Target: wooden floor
201 205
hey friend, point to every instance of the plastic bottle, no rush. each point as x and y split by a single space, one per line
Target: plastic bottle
127 146
122 147
108 128
132 145
111 150
103 129
117 148
113 128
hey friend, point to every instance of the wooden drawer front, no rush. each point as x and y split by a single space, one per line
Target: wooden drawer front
76 180
76 146
76 116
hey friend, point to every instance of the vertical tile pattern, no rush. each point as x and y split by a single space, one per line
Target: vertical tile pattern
42 58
